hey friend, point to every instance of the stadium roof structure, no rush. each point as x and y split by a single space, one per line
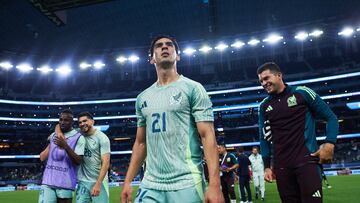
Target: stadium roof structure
57 27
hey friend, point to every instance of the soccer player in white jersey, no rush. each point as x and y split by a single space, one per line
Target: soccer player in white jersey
257 167
174 117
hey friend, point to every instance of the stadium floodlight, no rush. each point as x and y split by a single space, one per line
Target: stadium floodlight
358 29
301 36
221 47
84 65
133 58
121 59
346 32
64 69
98 65
316 33
273 38
24 67
237 44
45 69
6 65
189 51
205 49
253 42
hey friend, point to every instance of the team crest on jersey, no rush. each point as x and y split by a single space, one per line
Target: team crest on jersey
176 98
291 101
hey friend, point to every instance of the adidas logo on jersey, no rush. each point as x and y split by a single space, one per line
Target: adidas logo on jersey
143 105
269 108
317 194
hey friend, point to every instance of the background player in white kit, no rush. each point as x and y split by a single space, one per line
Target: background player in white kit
257 166
174 117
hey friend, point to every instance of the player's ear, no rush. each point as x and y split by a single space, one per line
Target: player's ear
177 57
152 61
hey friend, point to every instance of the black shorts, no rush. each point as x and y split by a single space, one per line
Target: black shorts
302 184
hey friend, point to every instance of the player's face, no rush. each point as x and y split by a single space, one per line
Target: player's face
271 82
85 124
255 151
65 122
164 53
221 149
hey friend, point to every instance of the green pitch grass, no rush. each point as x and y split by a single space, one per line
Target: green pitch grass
344 189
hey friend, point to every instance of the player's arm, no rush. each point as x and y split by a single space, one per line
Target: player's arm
45 153
265 147
60 140
105 164
234 161
137 158
207 134
323 111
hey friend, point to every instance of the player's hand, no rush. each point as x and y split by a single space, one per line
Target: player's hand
269 176
126 193
58 129
267 131
61 141
325 153
214 195
95 190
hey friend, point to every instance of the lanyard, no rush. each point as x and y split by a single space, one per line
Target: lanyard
223 159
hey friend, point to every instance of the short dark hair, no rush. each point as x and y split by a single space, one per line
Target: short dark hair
85 113
240 149
67 111
272 66
151 50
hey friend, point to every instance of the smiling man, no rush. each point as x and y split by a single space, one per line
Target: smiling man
174 116
92 173
287 125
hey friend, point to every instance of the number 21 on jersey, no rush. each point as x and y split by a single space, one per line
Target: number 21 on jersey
159 122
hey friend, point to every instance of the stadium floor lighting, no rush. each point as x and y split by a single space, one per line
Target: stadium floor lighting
45 69
189 51
316 33
70 103
346 32
205 49
24 67
273 38
237 44
6 65
301 36
253 42
121 59
84 65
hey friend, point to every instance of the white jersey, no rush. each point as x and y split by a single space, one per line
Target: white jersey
257 164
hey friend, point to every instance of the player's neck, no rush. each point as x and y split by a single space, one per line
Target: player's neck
167 76
91 132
